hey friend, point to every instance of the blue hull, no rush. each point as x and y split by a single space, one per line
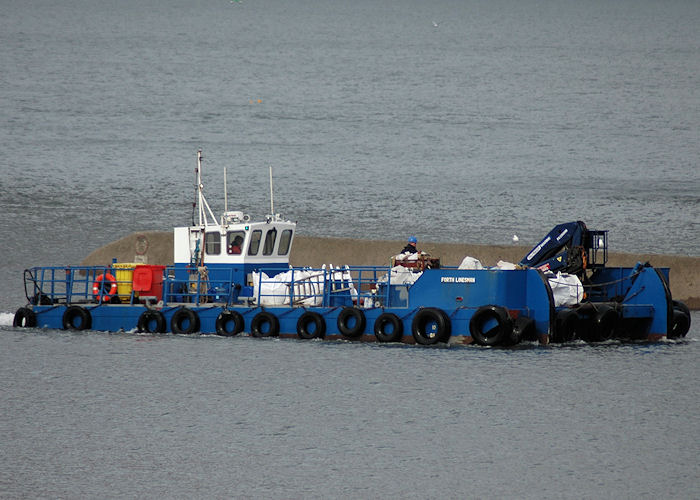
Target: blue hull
489 307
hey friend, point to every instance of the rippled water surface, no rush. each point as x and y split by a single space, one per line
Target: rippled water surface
455 121
131 416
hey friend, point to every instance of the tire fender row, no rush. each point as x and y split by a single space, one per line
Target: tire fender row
489 325
429 325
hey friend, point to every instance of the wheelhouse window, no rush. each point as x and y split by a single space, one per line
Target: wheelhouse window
212 243
285 240
255 242
234 242
270 238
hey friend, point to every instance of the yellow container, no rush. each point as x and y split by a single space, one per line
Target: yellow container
124 273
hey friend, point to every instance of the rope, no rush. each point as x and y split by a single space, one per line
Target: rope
613 282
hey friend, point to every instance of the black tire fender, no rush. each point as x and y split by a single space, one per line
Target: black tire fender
351 322
430 326
311 325
388 328
681 320
185 321
681 325
77 318
603 324
677 304
491 325
259 322
24 318
151 322
566 326
229 323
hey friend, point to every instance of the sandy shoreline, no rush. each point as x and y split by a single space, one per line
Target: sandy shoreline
315 251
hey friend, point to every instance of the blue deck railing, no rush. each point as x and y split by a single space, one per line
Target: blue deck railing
349 285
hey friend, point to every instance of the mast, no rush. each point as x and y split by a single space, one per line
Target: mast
272 199
200 195
201 200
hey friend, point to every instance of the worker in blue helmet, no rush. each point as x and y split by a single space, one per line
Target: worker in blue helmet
411 245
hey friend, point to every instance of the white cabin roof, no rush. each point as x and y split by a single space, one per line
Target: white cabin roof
235 243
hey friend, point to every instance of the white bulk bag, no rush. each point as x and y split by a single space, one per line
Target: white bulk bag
566 288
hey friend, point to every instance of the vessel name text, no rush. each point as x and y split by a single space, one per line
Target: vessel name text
457 279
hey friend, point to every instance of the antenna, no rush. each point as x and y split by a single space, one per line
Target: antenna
196 184
225 192
272 198
199 184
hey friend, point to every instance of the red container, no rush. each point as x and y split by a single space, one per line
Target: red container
148 281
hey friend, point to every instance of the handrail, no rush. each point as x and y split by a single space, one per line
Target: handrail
365 286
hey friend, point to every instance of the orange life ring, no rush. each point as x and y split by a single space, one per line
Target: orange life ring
99 287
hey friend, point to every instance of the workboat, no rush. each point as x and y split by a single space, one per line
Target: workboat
232 275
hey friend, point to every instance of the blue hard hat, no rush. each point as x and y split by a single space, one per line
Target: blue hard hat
412 239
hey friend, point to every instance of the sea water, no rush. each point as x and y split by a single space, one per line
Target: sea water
454 121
